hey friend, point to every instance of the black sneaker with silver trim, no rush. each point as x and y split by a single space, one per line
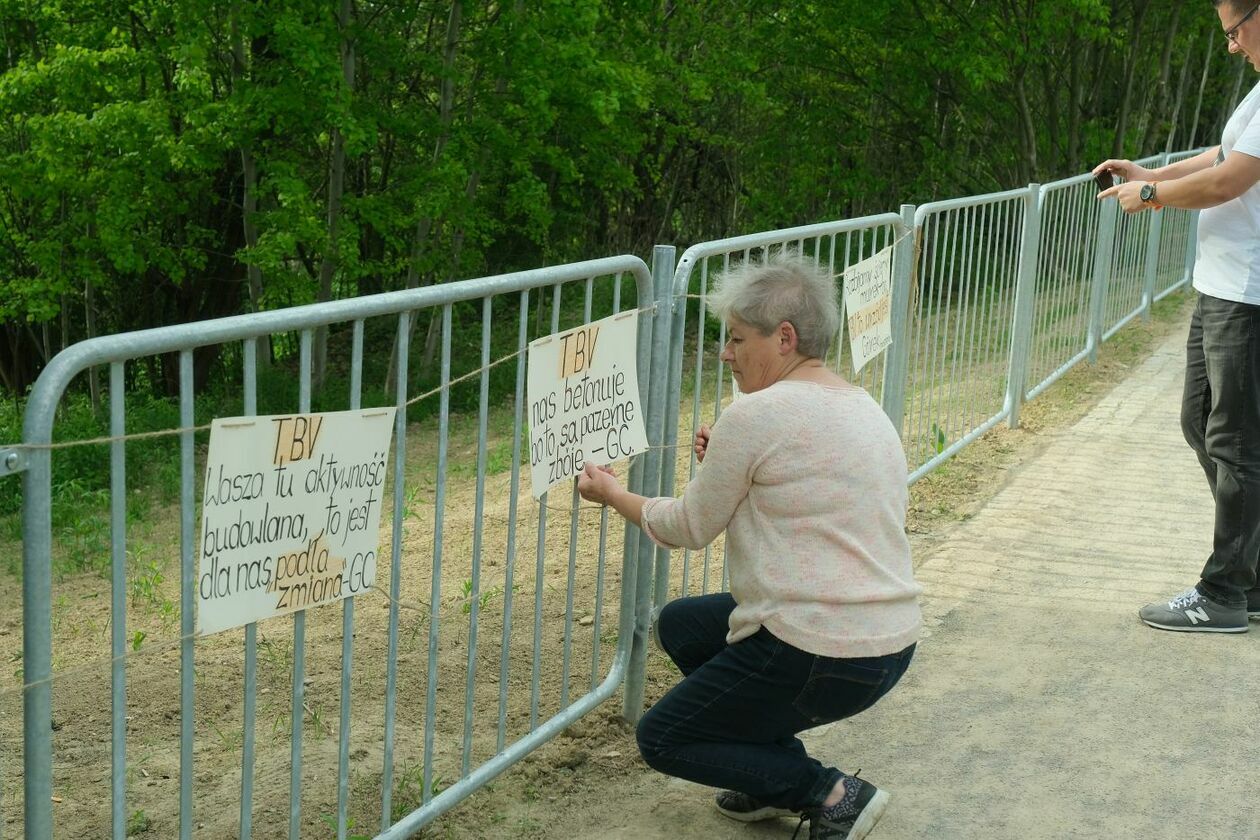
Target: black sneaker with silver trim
742 807
851 819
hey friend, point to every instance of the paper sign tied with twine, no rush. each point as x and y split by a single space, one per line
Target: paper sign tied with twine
584 399
291 513
868 305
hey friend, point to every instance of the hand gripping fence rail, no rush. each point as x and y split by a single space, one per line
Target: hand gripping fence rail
993 298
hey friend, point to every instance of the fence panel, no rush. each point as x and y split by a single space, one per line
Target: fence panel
1124 298
700 377
189 725
1177 242
1064 279
960 326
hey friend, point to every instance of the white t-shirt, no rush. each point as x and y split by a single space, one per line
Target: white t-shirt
1227 264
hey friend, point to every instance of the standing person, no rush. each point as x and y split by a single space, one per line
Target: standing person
1220 409
807 478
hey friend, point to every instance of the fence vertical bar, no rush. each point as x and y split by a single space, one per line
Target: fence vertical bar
250 408
1108 215
435 588
188 583
347 620
118 601
540 557
37 619
299 633
650 477
673 402
1192 246
670 323
395 567
1154 233
1025 303
893 389
509 571
474 596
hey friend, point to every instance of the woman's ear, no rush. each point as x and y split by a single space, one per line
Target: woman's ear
788 339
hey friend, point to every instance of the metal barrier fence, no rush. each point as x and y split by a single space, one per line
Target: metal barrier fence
994 297
485 721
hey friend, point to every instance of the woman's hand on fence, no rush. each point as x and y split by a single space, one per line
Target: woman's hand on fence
702 442
597 484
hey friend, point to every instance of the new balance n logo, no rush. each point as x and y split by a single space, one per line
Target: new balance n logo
1196 615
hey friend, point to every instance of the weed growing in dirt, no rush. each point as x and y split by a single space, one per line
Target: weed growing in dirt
409 789
138 823
331 822
145 578
483 599
231 739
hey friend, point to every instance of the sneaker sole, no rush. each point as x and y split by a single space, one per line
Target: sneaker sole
1197 629
766 812
869 816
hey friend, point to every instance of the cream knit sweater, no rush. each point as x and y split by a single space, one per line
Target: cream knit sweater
809 483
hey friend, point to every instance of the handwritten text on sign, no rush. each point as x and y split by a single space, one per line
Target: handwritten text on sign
868 305
291 513
583 400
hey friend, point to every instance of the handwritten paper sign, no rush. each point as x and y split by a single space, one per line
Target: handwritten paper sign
584 399
291 513
868 304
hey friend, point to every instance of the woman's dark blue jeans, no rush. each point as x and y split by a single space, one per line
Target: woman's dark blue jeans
1220 418
732 721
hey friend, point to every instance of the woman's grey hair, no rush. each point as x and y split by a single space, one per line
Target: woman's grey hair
786 287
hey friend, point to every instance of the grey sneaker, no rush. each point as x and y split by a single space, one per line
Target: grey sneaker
852 819
742 807
1193 612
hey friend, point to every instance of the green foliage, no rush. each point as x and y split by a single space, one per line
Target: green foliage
138 823
475 139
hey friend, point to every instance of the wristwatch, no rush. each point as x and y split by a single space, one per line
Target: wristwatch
1147 194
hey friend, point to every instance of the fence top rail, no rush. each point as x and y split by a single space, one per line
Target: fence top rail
1085 177
701 250
1065 183
1173 157
67 364
933 207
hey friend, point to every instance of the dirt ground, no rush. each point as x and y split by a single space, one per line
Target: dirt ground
582 769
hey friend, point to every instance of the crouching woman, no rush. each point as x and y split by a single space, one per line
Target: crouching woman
806 477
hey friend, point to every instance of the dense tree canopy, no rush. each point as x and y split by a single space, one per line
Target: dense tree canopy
170 160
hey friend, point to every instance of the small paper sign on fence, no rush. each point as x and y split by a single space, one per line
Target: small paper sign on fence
291 513
584 399
868 305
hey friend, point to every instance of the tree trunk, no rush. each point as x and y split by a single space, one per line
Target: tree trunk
1161 94
423 227
249 189
1180 100
1198 102
336 183
1029 160
1130 71
1075 57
